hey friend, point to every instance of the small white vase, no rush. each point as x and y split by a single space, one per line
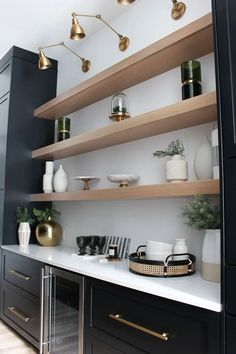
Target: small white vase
203 160
24 234
48 177
211 256
176 169
180 247
60 180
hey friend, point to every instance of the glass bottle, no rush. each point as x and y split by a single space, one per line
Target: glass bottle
119 107
191 79
63 128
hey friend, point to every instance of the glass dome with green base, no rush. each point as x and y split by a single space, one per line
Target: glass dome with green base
119 107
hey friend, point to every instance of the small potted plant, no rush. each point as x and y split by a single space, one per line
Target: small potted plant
202 215
24 220
176 167
48 231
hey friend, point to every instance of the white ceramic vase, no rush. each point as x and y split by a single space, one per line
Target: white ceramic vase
48 177
24 234
180 247
211 256
60 180
215 153
203 160
176 169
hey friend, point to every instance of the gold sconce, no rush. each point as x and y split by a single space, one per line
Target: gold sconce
178 10
44 62
125 2
77 32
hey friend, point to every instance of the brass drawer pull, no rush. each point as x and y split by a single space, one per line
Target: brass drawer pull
19 275
18 314
163 336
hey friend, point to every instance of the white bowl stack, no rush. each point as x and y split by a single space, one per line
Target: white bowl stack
158 251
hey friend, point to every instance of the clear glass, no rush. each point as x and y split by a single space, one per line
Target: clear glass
119 106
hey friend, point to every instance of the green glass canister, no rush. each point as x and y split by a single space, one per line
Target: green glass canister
191 79
63 128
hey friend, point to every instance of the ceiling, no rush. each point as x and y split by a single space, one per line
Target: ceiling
30 24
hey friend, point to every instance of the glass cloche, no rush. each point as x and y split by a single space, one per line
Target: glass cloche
119 107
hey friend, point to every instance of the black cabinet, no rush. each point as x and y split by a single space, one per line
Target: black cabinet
230 327
146 324
23 87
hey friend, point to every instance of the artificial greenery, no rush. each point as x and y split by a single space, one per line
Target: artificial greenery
117 109
201 215
23 215
43 215
174 148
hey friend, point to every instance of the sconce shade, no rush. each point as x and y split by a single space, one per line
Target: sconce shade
178 10
123 43
76 31
86 65
43 63
125 2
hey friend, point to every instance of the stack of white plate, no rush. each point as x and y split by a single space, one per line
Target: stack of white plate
158 251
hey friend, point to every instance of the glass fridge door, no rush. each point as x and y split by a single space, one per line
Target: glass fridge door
65 312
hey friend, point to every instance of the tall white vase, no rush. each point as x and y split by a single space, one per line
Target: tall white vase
48 177
203 160
211 256
176 169
60 180
24 234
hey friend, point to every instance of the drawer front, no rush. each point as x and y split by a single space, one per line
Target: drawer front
5 77
22 272
230 328
23 312
147 327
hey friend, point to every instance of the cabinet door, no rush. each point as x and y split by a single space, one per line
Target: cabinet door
230 326
1 213
5 79
230 286
225 29
97 346
4 104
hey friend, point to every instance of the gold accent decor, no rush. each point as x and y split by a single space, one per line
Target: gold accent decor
18 313
77 32
178 10
48 233
19 275
119 116
125 2
118 317
44 62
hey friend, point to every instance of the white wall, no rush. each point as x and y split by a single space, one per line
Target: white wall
144 22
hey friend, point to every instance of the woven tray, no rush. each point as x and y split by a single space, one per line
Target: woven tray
169 268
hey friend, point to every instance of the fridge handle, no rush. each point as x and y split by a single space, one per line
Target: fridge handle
42 311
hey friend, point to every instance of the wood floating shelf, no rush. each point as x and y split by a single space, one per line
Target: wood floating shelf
195 111
165 190
191 41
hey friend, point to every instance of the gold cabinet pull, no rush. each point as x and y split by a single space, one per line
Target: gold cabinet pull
19 275
163 336
19 314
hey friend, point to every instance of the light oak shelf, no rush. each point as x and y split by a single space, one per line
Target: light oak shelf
195 111
191 41
165 190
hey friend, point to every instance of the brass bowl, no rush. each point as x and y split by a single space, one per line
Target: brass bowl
48 233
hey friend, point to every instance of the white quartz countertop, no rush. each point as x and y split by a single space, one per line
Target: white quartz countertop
192 290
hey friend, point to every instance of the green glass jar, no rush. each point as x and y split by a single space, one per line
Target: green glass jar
191 79
63 128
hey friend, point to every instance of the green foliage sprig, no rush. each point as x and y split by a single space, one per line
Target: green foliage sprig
45 214
117 109
201 215
174 148
23 215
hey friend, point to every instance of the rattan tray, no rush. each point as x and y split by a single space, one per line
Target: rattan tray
169 268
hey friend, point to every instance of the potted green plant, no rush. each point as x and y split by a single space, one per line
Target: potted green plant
200 214
176 167
24 220
48 231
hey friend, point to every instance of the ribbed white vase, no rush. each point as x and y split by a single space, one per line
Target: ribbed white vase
24 234
176 169
60 180
203 160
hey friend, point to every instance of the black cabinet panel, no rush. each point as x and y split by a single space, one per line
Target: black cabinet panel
97 346
1 211
230 327
230 290
5 79
4 106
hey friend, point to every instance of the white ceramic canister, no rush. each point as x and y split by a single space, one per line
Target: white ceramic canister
180 246
24 234
176 169
60 180
215 152
48 177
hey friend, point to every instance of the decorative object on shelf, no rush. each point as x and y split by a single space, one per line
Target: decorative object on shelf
113 251
176 167
60 180
48 177
215 152
63 128
178 10
125 2
201 215
101 244
123 244
119 107
93 242
44 63
138 264
48 231
77 32
180 246
24 220
123 179
191 79
203 160
86 180
82 243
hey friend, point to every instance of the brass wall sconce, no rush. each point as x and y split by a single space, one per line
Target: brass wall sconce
44 62
77 32
178 10
125 2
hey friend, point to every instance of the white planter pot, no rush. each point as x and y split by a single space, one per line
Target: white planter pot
24 234
176 169
60 180
211 256
203 160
